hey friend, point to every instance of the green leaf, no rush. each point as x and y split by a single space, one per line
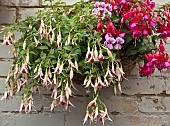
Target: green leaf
51 52
131 52
43 55
91 26
43 47
128 38
46 42
116 19
68 47
32 52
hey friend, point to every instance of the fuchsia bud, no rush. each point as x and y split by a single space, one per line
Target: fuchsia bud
99 27
16 71
27 57
111 28
71 74
161 47
109 53
59 44
54 81
24 44
55 93
95 53
22 106
76 65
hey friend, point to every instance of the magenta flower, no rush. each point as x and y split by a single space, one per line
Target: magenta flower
146 17
145 32
153 23
166 64
136 34
146 71
123 2
119 41
151 4
133 25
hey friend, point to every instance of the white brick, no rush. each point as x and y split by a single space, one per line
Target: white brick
68 2
119 104
133 85
152 85
140 120
7 16
2 85
161 1
42 119
10 105
6 51
24 12
77 120
154 104
19 2
4 67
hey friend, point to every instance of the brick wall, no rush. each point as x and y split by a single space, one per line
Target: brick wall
144 102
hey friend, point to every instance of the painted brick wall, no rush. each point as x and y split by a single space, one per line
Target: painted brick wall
144 102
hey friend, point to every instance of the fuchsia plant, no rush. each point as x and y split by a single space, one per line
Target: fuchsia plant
88 39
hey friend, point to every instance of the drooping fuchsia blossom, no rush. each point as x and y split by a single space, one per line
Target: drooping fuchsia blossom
164 26
140 20
158 60
146 71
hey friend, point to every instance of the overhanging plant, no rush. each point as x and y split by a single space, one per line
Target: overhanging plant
87 39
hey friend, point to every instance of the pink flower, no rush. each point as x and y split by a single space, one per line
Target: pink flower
119 42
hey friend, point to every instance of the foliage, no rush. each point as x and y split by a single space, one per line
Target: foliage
87 39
